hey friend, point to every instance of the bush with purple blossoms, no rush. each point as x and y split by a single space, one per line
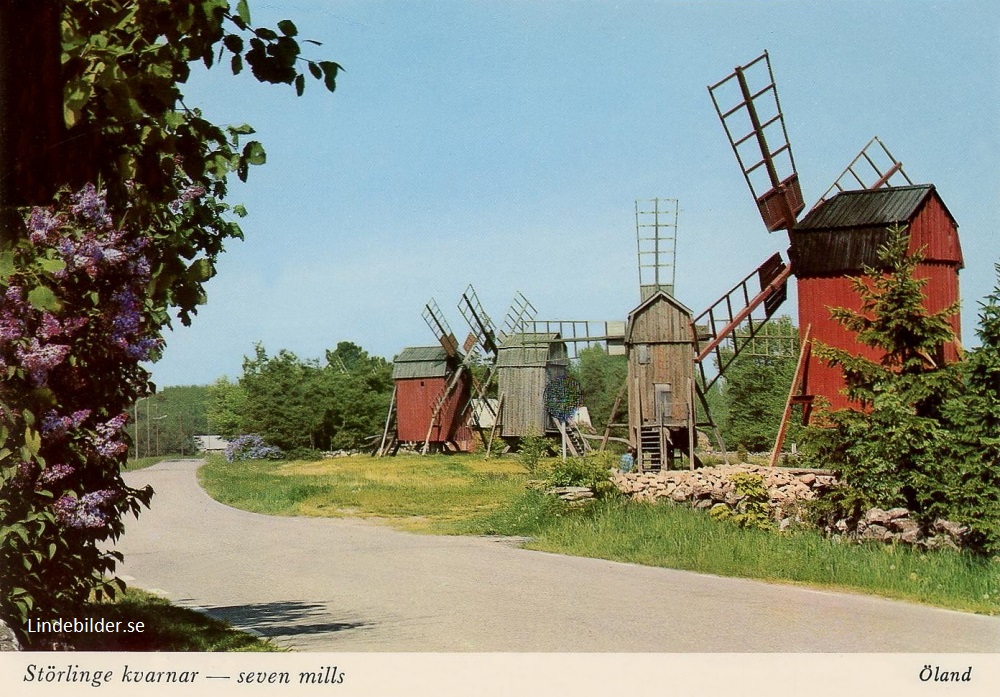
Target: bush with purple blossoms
74 326
251 447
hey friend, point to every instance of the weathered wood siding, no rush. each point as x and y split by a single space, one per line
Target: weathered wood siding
415 399
524 367
660 351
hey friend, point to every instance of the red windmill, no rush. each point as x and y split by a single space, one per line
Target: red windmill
841 235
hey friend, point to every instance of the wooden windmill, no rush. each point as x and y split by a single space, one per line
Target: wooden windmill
503 414
668 347
432 385
841 235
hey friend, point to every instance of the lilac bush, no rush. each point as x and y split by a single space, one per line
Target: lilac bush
74 327
251 447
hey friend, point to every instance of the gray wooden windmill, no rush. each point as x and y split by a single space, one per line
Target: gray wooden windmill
485 341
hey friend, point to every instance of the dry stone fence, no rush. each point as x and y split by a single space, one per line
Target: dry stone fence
788 490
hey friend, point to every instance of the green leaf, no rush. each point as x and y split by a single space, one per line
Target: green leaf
287 27
266 34
233 42
52 265
300 84
201 270
315 70
240 210
254 153
42 298
330 70
6 264
243 10
32 441
237 64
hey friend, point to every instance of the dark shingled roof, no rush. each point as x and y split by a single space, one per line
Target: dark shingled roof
866 208
844 234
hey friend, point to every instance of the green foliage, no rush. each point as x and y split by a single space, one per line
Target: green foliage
532 449
123 64
168 421
296 404
91 281
752 509
973 485
601 376
592 471
755 388
226 408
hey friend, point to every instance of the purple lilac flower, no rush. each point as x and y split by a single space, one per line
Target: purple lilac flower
251 447
187 194
128 318
107 442
83 513
57 426
52 328
41 223
39 360
90 203
143 349
51 475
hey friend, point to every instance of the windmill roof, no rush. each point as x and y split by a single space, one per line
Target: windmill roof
867 208
846 233
420 362
530 349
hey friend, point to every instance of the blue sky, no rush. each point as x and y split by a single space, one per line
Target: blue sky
504 144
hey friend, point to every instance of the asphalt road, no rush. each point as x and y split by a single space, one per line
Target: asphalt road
317 584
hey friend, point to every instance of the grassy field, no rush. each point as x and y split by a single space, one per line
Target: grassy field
412 492
470 495
166 628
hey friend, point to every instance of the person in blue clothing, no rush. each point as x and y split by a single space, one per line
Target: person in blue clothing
627 461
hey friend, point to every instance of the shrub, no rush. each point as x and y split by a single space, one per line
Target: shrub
251 447
752 509
593 472
533 448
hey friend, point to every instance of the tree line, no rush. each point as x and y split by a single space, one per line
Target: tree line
302 405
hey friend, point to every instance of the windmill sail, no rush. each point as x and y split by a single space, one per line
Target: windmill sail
873 168
732 317
747 104
439 327
656 239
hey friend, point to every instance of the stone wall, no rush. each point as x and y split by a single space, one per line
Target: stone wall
706 487
788 489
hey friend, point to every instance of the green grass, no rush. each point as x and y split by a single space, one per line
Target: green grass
144 462
166 627
410 491
680 538
469 495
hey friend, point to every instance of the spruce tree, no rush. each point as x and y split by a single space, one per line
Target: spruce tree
890 452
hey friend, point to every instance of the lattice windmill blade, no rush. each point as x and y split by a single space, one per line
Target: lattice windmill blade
520 313
748 107
579 334
775 340
735 311
479 322
656 241
439 327
873 168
